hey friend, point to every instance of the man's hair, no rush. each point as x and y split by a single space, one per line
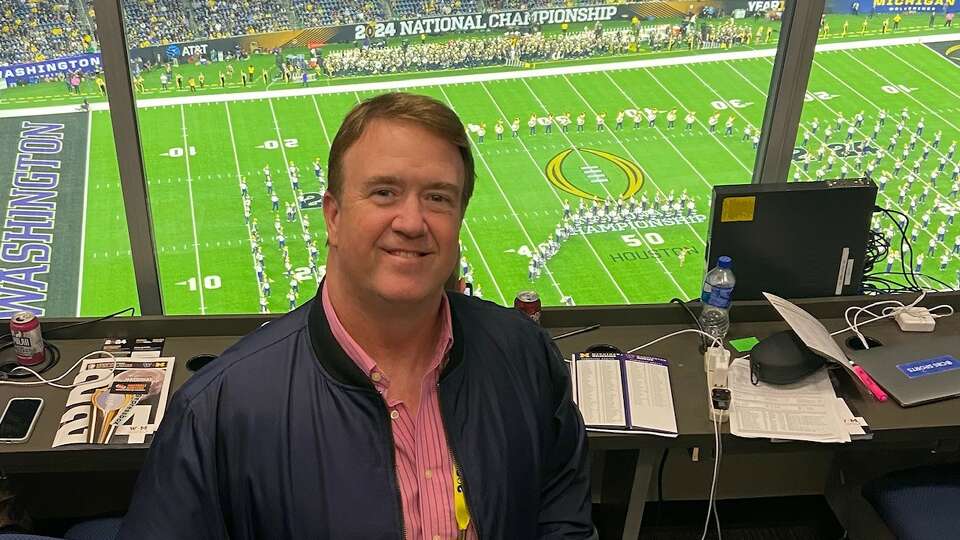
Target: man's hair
423 111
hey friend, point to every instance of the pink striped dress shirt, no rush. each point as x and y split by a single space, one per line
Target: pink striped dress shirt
424 469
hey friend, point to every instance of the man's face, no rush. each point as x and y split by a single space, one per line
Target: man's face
394 232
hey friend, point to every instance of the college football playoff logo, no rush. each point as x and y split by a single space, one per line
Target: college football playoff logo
631 171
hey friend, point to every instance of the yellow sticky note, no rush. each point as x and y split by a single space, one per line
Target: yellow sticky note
737 209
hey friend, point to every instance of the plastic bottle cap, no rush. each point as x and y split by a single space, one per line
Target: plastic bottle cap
724 262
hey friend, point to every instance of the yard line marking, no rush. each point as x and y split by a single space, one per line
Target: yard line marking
296 200
193 215
236 160
576 150
323 126
483 259
506 200
873 104
559 199
911 66
908 95
83 216
677 150
716 137
847 160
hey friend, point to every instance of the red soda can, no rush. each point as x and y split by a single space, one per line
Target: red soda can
529 303
27 339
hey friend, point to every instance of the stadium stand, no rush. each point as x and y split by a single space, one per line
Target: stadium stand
327 12
35 31
222 18
155 22
405 9
499 5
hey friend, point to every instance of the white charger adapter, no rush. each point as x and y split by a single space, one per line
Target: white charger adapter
915 319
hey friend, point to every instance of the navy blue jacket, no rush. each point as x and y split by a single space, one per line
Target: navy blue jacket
284 437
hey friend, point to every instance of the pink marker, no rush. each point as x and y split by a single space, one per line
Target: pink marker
871 385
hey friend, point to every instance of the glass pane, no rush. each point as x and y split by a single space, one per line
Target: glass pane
267 100
880 103
65 249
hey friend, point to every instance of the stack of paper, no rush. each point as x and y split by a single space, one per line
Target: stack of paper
808 410
620 391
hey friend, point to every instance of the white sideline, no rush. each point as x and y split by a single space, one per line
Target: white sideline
482 77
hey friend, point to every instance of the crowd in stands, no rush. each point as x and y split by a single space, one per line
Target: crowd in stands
510 48
32 31
155 22
503 5
407 9
329 12
223 18
702 34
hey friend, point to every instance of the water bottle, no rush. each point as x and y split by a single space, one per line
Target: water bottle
717 291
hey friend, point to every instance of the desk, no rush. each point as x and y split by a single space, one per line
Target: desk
929 428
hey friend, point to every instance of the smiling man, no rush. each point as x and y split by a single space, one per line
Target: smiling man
385 408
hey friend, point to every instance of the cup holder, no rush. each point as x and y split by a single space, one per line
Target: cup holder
197 362
854 343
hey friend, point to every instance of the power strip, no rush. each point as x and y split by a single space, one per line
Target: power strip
716 363
915 319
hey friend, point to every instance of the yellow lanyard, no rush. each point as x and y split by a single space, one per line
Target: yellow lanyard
460 503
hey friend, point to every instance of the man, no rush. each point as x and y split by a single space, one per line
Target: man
382 390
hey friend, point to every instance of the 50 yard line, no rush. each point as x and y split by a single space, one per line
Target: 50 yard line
193 214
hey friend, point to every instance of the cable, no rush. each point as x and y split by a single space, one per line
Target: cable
53 382
81 323
716 515
713 483
716 341
696 320
663 461
905 246
7 368
887 312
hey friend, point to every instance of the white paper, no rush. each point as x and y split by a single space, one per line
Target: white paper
855 424
651 399
813 334
803 411
600 392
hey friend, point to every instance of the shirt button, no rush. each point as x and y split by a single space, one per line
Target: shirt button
376 376
394 414
428 473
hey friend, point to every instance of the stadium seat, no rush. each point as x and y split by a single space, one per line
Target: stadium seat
95 529
920 503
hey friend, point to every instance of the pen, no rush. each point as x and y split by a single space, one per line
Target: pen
868 381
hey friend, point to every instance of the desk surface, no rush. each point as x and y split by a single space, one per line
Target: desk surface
925 426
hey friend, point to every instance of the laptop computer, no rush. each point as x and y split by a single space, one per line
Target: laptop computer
926 370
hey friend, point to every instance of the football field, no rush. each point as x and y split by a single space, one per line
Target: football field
196 152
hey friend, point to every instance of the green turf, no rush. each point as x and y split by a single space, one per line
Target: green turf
202 238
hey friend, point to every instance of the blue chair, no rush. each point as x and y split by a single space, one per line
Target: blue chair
918 504
95 529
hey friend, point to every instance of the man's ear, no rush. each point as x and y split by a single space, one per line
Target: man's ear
331 215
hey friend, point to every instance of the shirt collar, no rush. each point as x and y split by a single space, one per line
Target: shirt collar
367 363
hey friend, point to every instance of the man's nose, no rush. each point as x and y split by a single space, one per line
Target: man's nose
409 218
